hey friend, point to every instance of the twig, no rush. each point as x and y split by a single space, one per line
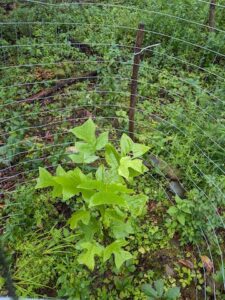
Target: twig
60 85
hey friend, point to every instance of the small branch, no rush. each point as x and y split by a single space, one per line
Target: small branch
60 85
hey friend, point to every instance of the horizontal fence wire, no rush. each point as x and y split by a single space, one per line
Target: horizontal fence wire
19 174
65 116
120 131
215 4
149 12
106 105
69 43
157 52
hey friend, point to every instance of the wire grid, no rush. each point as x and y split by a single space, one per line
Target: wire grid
105 97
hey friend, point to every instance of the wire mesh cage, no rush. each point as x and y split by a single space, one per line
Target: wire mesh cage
148 69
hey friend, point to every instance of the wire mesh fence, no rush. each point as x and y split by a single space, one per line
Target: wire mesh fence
64 62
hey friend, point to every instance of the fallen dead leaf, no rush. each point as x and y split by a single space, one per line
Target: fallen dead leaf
207 263
48 136
186 263
71 150
41 74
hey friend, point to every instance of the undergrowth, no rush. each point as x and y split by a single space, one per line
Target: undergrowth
173 236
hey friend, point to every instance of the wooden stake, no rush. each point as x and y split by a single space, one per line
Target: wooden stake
212 14
134 78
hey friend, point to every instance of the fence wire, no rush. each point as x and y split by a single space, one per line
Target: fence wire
33 130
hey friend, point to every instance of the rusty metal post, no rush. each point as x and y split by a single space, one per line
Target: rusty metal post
134 78
212 15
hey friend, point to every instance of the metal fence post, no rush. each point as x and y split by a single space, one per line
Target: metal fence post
134 78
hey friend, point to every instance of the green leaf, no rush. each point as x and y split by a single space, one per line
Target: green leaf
107 198
86 131
69 183
45 179
88 256
181 219
83 158
69 188
112 176
121 229
112 156
87 194
81 215
57 191
77 158
126 144
60 171
127 163
100 173
186 209
85 148
85 153
114 214
136 204
139 150
116 187
93 227
91 184
149 291
159 286
172 211
173 293
120 255
102 140
178 200
123 169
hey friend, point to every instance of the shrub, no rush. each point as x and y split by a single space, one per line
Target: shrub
107 205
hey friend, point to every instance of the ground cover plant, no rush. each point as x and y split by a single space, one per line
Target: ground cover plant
111 218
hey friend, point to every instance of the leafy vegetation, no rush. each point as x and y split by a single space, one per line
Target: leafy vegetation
111 218
107 206
158 292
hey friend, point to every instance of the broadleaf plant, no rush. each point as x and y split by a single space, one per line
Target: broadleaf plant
157 291
108 206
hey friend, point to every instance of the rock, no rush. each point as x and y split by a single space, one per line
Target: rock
177 188
169 171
